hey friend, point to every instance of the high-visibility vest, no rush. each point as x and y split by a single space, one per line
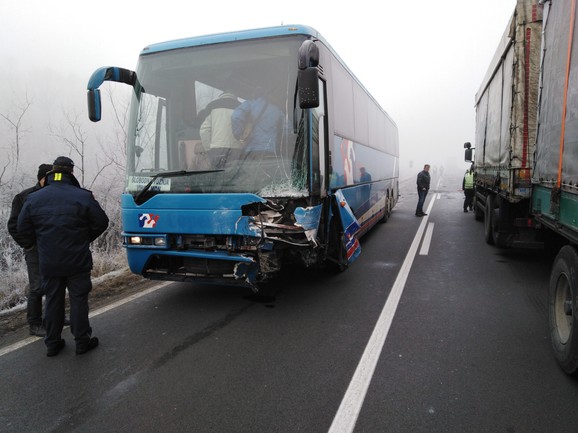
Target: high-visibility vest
469 180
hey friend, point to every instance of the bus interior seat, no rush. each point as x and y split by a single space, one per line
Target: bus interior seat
192 153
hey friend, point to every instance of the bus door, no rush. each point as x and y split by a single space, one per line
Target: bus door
319 145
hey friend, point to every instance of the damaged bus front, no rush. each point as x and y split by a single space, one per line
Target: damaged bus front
229 211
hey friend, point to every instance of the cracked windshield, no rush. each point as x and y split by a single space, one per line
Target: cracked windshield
219 119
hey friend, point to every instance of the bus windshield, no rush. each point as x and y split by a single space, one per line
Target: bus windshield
219 118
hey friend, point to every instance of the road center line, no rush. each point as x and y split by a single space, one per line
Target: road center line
346 416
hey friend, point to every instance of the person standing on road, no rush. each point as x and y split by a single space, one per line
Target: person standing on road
468 187
34 294
63 219
423 181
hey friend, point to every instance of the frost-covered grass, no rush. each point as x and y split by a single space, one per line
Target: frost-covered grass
107 253
13 274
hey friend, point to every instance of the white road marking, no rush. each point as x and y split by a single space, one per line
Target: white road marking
426 240
27 341
346 416
129 299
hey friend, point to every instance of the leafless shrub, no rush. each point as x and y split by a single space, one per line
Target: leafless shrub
13 273
102 172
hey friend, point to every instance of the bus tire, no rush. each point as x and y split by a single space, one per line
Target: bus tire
387 211
562 305
489 219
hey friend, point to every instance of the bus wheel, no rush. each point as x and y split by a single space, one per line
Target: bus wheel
340 263
387 212
562 302
489 219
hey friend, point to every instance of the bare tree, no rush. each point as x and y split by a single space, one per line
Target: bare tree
120 111
3 172
75 138
16 122
114 149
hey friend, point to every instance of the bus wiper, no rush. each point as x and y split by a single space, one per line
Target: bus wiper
171 174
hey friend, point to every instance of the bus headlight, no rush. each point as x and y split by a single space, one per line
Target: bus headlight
160 242
154 241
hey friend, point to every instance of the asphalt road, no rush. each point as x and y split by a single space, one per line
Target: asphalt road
430 330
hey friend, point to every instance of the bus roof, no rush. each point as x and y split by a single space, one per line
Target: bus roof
266 32
232 36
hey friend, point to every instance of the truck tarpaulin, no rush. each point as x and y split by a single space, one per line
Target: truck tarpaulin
507 101
557 21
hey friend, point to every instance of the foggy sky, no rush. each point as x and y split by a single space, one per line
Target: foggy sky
422 60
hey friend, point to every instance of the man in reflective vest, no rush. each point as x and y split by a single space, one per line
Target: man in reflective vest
468 187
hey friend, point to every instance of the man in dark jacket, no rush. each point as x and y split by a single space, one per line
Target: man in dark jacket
34 295
423 181
63 219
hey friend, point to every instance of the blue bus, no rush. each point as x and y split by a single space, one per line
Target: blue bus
197 210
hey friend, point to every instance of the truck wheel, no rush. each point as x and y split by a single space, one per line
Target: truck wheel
501 223
489 220
478 213
562 302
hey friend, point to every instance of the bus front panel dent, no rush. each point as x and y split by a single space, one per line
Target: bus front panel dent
251 238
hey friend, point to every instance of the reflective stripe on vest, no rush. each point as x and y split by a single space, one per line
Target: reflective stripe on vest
57 176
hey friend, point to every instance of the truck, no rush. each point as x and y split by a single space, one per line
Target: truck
526 154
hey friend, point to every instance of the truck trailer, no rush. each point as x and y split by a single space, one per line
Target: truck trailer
526 164
506 124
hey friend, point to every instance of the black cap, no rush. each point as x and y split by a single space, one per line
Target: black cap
43 169
63 164
64 161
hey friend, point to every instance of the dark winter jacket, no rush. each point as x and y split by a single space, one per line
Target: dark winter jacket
17 204
423 180
62 219
226 100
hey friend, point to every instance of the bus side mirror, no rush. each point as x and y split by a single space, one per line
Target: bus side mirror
106 73
94 109
308 88
307 78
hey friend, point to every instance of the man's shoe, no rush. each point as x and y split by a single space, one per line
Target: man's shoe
423 214
84 347
37 330
418 214
54 350
465 210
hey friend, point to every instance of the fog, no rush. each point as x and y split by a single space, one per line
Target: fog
423 61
